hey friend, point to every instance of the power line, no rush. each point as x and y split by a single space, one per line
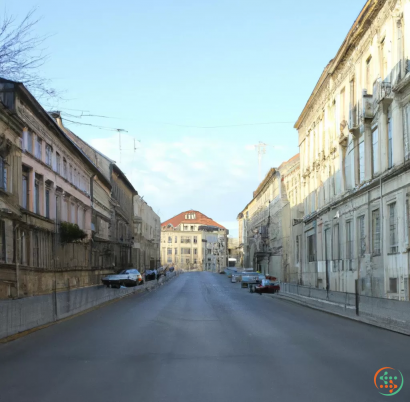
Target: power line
232 125
95 126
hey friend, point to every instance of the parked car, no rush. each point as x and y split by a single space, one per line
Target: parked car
150 275
128 277
251 278
267 286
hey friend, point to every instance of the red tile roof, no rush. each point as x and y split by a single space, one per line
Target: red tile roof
200 219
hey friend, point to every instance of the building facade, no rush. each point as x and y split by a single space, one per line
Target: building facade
265 222
147 236
191 240
49 183
354 159
113 209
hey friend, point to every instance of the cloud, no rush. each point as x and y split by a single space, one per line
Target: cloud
215 177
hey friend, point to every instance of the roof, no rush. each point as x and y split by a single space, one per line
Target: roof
200 219
292 159
356 32
49 119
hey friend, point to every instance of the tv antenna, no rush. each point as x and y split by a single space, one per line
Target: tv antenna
261 150
119 139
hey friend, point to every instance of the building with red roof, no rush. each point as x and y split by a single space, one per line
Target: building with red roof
192 240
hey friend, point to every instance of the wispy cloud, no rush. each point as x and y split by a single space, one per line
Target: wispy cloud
215 177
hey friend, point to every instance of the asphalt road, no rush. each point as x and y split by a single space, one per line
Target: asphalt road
200 338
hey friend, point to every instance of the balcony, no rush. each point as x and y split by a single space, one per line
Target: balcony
383 93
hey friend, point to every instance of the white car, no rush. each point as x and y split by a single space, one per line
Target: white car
128 277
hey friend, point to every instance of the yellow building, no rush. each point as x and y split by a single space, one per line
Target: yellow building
191 240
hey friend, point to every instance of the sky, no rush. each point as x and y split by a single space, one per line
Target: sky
193 84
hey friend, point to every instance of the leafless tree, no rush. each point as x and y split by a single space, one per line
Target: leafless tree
22 54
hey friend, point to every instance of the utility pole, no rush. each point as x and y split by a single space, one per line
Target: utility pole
261 149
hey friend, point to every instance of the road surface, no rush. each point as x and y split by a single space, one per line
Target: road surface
200 338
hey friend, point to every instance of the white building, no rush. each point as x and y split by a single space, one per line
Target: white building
354 160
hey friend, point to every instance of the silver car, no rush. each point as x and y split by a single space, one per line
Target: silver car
128 277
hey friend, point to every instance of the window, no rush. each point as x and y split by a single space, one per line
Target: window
195 260
393 240
23 248
390 140
336 243
2 241
72 213
369 74
3 174
185 239
361 159
70 174
29 142
58 163
311 248
169 251
37 196
342 105
383 59
195 239
185 251
169 239
39 148
406 112
64 168
47 204
195 251
176 239
375 151
376 231
192 228
81 218
176 251
49 154
36 250
361 247
347 172
393 285
349 248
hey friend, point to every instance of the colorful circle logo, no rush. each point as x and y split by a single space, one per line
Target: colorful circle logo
388 381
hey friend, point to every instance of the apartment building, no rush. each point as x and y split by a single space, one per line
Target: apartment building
354 160
147 236
265 222
191 240
46 182
113 212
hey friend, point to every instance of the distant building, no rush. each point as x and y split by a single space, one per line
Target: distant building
265 223
147 236
191 240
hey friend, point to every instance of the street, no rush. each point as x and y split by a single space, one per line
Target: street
200 338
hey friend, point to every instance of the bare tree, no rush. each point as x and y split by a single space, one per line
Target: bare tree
22 54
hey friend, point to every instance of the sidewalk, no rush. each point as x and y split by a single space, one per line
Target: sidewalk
36 312
375 314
